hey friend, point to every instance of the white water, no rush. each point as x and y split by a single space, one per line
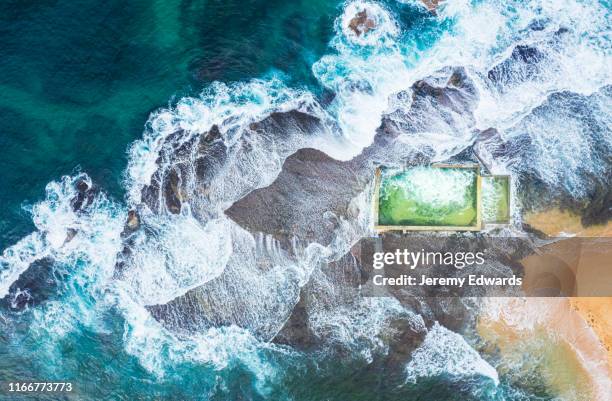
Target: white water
446 353
96 240
363 71
452 187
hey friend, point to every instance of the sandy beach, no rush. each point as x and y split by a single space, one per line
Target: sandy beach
569 340
551 336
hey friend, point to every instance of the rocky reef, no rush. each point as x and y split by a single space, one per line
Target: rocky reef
296 215
303 271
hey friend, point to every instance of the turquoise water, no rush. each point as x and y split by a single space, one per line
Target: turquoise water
78 83
78 80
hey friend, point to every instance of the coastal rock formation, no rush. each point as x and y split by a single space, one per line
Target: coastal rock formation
34 286
315 204
85 193
194 168
525 62
431 4
259 284
567 120
313 192
362 23
305 201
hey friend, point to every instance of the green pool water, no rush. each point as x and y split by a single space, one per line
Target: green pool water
496 199
429 196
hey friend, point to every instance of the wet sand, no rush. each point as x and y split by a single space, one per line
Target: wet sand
595 311
567 340
557 223
549 337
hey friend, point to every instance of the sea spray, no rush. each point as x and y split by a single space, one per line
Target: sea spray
95 231
178 254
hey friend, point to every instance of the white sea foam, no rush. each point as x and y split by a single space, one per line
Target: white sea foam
384 31
182 254
88 257
17 258
230 107
361 327
363 72
158 349
96 238
576 59
446 353
452 187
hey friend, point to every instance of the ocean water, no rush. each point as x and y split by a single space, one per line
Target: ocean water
90 92
79 81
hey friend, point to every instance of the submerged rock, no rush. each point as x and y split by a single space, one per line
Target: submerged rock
70 234
36 285
580 181
85 193
442 103
524 63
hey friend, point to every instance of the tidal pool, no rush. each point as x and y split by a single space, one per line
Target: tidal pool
429 197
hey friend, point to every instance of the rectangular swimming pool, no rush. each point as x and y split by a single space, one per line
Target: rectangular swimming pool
436 197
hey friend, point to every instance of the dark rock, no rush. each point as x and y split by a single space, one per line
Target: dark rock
133 221
243 296
33 287
487 147
525 63
172 191
538 24
521 148
310 197
334 285
296 332
598 209
584 187
70 234
187 168
84 196
442 102
403 337
311 189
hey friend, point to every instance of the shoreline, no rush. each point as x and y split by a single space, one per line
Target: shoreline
571 358
573 335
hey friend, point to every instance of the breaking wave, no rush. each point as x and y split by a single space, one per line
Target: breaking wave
446 353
